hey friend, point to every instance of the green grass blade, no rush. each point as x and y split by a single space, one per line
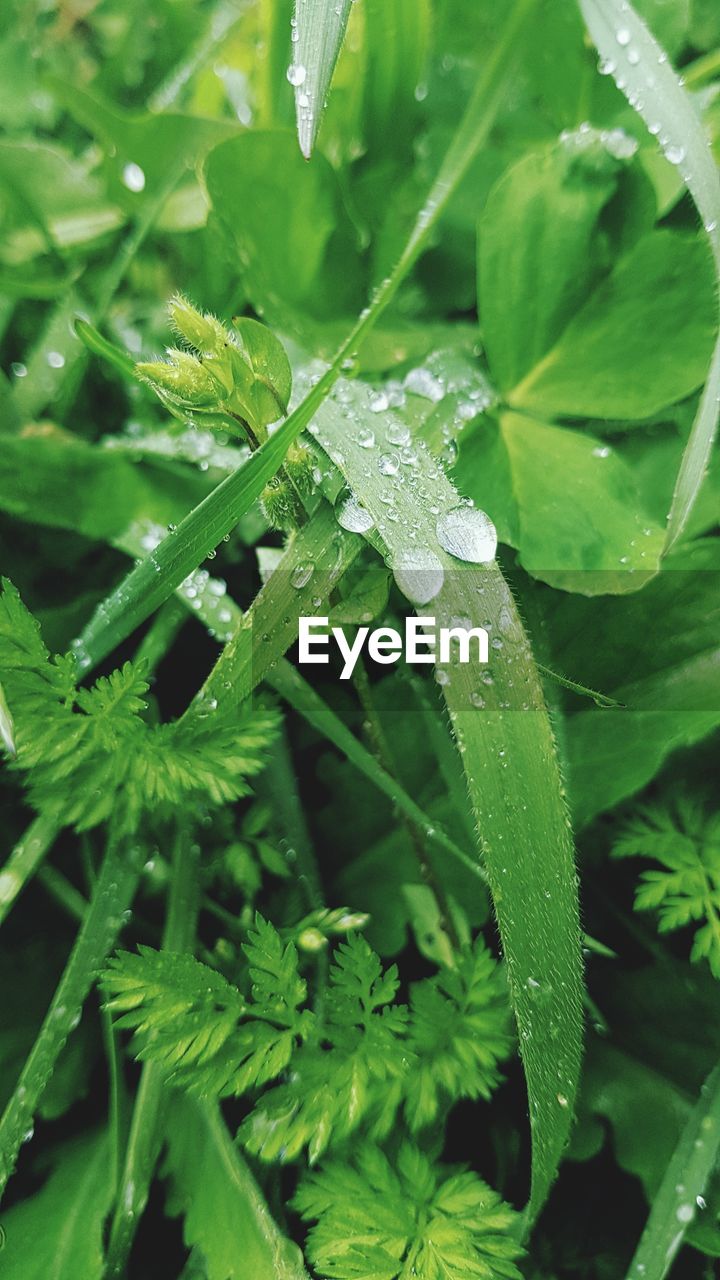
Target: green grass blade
681 1190
200 532
112 896
320 28
24 861
506 745
645 76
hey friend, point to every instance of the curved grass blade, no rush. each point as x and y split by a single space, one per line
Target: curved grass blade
320 28
680 1192
643 73
143 590
112 896
503 733
25 859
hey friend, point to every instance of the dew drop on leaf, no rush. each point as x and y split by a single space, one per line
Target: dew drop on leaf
467 534
350 513
418 574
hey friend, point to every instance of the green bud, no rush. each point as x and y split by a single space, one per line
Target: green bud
182 379
200 330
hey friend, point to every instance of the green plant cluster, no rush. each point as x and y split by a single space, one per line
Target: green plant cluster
440 283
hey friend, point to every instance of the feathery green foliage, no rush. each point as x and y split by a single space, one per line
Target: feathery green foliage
683 836
88 753
365 1058
378 1219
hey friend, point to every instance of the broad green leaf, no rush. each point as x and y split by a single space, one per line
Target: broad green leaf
623 354
538 250
569 504
319 27
656 652
642 71
57 1233
519 810
56 195
224 1212
285 221
145 153
681 1190
48 477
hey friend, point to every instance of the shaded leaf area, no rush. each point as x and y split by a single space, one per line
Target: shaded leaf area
657 653
57 1232
641 1085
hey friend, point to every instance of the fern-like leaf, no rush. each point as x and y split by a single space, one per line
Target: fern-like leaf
198 1027
459 1031
377 1220
88 753
685 840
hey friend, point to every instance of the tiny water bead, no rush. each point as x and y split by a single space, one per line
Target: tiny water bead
133 177
55 359
351 514
622 35
296 74
366 438
418 574
467 534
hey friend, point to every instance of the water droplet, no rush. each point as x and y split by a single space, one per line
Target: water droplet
301 575
398 433
601 451
675 154
55 359
467 534
685 1213
133 177
350 513
18 370
419 574
606 66
701 1202
379 402
366 438
622 35
296 74
388 464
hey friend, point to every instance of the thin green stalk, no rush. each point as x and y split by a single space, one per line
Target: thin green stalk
148 585
146 1125
25 859
702 69
681 1190
64 893
278 784
416 833
301 696
112 896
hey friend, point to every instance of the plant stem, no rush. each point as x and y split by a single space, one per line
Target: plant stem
25 859
416 835
146 1124
113 894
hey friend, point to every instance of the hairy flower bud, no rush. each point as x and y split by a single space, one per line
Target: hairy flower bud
200 330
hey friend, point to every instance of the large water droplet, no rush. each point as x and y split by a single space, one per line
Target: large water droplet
301 575
467 534
350 513
419 574
296 74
